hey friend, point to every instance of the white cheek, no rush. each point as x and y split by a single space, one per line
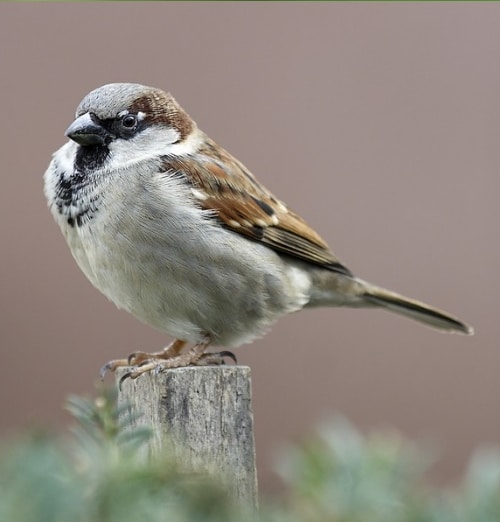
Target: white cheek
148 144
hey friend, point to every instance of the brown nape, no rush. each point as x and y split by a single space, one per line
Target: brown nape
161 107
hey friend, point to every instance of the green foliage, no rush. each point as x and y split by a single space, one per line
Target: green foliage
341 476
101 475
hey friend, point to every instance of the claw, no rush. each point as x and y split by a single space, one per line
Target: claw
131 357
215 358
229 354
104 370
124 377
111 366
138 357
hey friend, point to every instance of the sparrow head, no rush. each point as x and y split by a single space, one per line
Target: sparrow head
128 120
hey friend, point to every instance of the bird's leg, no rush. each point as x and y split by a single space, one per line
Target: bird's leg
191 357
172 350
170 357
196 356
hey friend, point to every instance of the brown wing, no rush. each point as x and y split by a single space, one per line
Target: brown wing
222 184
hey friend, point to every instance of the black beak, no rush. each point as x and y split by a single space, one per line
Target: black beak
86 131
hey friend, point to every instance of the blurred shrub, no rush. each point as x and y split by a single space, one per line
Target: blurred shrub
101 477
338 475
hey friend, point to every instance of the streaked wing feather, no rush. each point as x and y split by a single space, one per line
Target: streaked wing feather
222 184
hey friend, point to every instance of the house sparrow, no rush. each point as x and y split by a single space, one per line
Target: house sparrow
175 230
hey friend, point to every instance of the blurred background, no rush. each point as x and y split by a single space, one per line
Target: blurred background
379 123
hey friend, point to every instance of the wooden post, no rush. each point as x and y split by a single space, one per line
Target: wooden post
204 414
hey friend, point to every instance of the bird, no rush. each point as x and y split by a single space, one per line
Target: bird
175 230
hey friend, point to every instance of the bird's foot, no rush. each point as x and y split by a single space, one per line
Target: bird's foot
138 358
169 357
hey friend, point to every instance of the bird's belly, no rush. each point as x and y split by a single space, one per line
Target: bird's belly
234 294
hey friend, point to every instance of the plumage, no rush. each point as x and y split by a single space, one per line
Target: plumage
175 230
243 205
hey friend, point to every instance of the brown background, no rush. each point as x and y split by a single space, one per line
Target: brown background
377 122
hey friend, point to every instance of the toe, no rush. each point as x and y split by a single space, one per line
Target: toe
217 358
111 366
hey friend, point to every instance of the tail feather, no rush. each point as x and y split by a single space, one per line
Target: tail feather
415 310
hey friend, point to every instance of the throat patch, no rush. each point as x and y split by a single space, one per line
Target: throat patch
90 158
76 194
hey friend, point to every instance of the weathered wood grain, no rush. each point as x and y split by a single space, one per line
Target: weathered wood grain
205 416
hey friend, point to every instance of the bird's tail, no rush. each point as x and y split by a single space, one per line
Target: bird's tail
414 309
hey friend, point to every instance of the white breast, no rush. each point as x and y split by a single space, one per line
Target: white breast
154 253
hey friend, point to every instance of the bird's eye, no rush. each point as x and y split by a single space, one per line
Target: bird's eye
129 121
